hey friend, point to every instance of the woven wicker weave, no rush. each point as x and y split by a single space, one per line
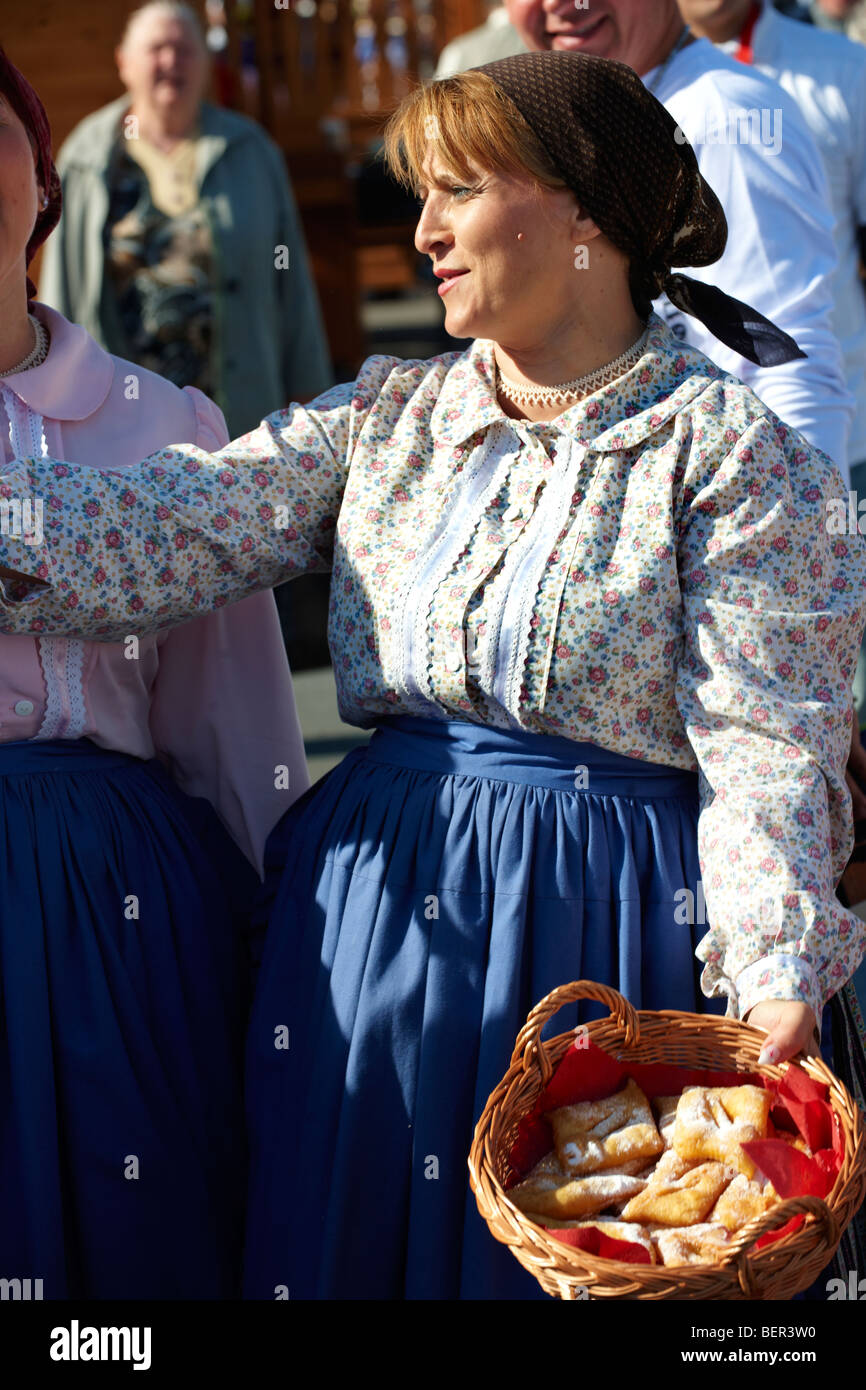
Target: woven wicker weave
777 1271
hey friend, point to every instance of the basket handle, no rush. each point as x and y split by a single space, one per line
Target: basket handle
531 1050
742 1242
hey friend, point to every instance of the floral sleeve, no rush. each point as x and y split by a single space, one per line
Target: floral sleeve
186 531
773 616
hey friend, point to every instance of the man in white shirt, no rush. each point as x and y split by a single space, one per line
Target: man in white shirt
826 76
754 149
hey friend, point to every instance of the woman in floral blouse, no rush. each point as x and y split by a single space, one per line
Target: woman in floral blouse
583 590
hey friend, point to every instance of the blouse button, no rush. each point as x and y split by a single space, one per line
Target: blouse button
511 513
24 707
452 661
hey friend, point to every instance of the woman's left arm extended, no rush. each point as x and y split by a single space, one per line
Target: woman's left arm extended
774 598
184 532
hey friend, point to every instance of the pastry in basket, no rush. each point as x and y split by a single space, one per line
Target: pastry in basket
599 1134
618 1230
689 1245
681 1201
549 1173
665 1111
641 1168
712 1123
543 1193
625 1230
743 1200
670 1167
546 1174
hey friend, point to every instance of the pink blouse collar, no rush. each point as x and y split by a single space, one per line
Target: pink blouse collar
75 377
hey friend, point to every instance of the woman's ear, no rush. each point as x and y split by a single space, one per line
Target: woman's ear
584 227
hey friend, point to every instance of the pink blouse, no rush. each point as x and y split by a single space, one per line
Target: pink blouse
213 698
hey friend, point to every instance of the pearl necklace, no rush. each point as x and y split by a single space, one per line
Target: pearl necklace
568 392
38 352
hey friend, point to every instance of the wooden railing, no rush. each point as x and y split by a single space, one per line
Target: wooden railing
321 76
334 66
290 66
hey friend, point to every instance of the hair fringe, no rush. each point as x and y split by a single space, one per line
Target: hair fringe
474 124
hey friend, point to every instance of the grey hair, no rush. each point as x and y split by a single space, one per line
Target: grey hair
171 9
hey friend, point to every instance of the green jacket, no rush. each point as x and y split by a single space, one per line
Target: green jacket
270 340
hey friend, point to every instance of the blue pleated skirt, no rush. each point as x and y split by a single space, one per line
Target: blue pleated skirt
420 899
123 1000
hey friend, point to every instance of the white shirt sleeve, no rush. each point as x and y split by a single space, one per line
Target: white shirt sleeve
780 256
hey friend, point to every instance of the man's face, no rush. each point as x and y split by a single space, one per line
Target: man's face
163 64
633 31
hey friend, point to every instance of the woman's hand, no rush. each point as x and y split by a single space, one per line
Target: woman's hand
790 1028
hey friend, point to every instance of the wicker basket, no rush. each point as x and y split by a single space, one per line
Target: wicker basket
777 1271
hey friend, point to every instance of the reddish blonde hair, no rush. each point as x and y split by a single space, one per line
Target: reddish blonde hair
472 121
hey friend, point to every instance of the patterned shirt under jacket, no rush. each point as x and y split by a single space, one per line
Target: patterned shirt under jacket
657 570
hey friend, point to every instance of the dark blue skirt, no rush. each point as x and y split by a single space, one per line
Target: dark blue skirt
123 996
421 898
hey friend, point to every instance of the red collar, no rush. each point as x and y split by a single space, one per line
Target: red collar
744 52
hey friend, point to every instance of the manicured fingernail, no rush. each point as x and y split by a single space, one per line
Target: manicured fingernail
768 1057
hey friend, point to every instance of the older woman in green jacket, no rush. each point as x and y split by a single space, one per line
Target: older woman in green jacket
180 245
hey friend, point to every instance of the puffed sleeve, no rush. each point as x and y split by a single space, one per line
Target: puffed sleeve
774 599
211 431
186 531
222 713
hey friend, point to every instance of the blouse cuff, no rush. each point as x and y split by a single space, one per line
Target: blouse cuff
779 976
799 946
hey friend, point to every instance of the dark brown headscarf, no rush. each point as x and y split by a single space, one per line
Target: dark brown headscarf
631 169
16 90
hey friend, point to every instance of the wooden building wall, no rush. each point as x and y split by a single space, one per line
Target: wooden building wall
66 49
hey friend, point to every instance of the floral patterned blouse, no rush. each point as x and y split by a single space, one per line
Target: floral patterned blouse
651 571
